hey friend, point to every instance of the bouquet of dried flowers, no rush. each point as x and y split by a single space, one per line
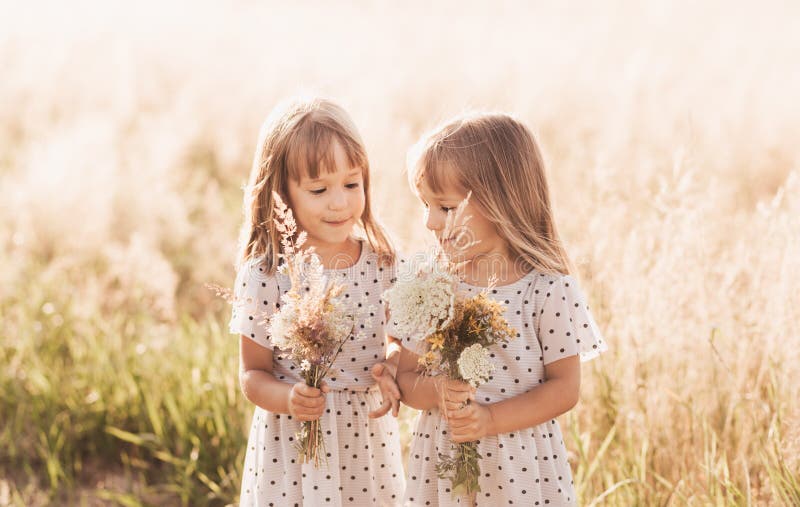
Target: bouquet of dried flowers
453 333
313 322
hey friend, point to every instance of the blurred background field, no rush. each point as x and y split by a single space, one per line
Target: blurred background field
126 133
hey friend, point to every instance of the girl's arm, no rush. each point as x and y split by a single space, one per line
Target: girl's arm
556 396
260 386
417 391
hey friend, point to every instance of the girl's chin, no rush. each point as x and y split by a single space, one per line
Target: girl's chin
339 238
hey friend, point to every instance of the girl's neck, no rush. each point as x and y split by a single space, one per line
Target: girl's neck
494 267
337 255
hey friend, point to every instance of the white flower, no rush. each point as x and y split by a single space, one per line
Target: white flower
421 304
340 320
475 365
305 365
281 323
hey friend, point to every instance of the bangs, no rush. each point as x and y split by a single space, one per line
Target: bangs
311 150
431 166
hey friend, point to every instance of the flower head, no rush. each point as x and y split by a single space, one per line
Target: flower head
475 365
421 304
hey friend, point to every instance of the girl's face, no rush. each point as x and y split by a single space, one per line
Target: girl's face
328 207
488 245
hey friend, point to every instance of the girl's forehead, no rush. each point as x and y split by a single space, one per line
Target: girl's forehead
438 177
332 173
447 191
323 160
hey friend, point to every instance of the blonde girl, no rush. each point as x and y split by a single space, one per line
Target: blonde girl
537 378
311 154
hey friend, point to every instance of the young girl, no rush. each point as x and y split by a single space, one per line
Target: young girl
537 375
310 153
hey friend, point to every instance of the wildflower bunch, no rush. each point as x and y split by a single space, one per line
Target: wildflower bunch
453 333
313 322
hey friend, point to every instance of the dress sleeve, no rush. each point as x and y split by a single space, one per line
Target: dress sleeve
256 298
387 281
565 325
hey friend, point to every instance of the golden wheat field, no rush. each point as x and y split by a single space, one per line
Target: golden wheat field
670 133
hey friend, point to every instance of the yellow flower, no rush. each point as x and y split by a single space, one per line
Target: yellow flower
436 341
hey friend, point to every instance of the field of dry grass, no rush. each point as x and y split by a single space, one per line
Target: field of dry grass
126 133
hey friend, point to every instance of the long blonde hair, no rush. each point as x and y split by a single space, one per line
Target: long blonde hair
495 157
297 139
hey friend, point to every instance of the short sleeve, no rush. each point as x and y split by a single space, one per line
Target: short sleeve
256 298
387 281
565 324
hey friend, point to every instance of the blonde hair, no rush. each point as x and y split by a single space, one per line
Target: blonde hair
297 139
497 159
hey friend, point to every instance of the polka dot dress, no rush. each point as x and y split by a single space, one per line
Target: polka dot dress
364 464
528 467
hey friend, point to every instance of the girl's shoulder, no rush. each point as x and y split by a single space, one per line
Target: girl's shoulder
535 289
545 280
562 318
256 296
548 288
254 269
253 278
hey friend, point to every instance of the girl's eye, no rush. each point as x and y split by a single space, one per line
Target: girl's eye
353 185
446 209
317 191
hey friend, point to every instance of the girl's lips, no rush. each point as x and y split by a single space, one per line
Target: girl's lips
337 223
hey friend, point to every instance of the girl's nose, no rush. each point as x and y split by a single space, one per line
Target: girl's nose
338 200
432 221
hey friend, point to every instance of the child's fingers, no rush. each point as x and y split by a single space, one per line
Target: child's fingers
310 401
391 395
457 385
302 412
465 433
467 413
307 406
458 426
323 387
454 406
306 390
392 389
457 396
307 401
377 371
461 413
382 410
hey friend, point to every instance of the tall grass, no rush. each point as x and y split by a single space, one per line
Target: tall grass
126 133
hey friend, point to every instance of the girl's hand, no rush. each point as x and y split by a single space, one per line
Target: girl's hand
454 395
307 403
468 420
382 374
469 423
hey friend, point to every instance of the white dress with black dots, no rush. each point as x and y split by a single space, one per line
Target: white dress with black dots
364 463
529 466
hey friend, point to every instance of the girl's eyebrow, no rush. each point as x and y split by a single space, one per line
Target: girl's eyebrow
446 197
354 172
